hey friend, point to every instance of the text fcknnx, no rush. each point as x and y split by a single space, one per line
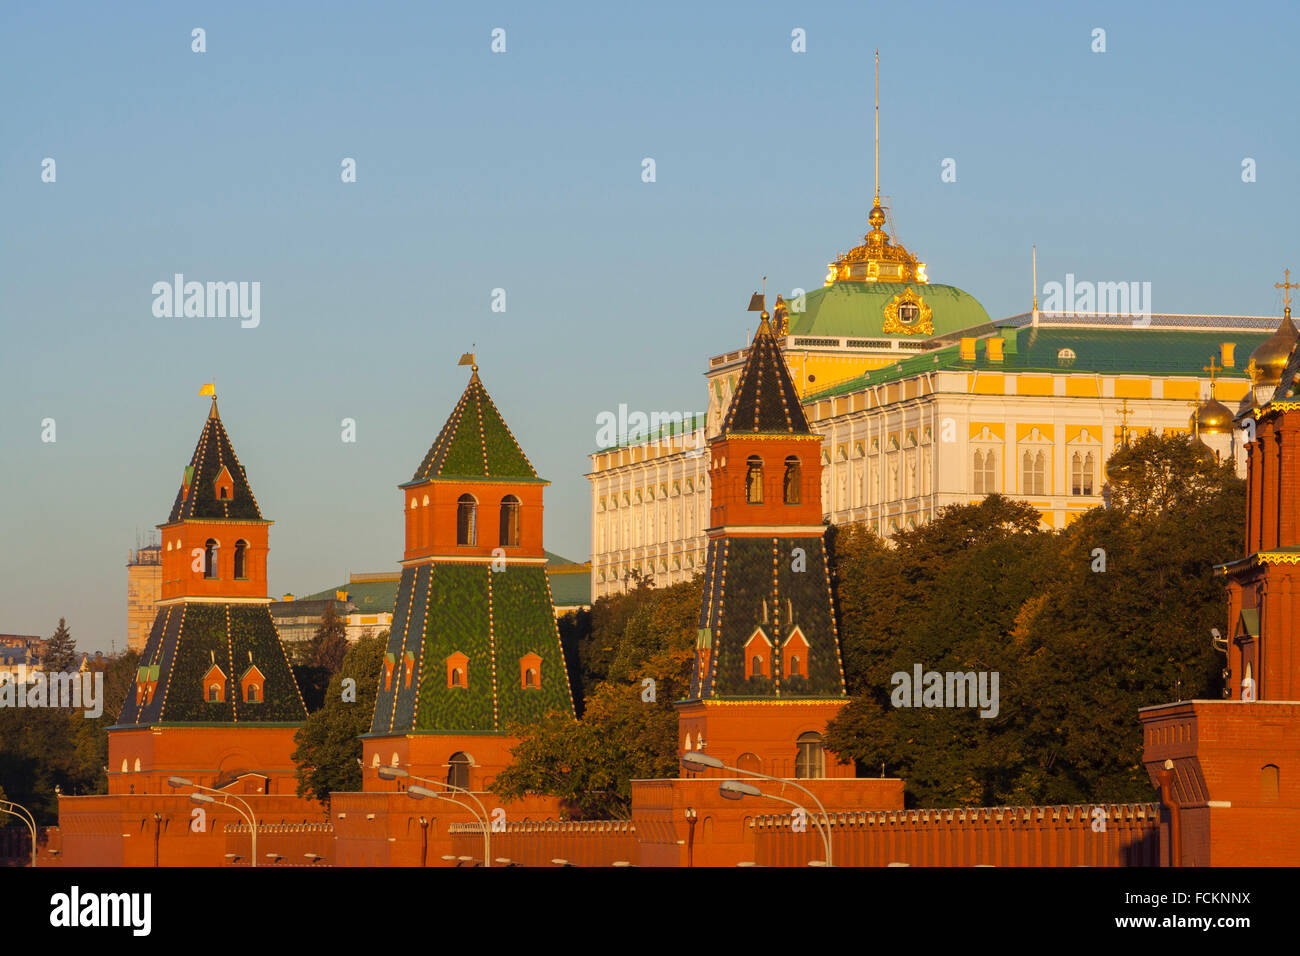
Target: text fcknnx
948 689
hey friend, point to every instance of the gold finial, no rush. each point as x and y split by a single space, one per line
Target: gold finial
877 202
468 359
879 258
1286 286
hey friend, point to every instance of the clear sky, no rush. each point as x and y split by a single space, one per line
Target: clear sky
523 171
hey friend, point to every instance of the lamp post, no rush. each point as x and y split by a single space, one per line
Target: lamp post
418 792
694 760
398 773
22 813
204 797
738 790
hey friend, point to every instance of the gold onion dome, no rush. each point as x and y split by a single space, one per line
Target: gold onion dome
1270 357
1211 417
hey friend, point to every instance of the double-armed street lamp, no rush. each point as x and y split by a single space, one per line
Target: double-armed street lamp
22 813
417 792
694 760
205 796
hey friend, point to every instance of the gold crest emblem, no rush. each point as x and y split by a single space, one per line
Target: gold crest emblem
907 314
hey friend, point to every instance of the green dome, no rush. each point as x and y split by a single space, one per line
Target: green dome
857 310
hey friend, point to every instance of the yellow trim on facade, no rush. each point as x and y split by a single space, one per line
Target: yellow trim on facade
1045 430
986 383
1035 385
997 429
1077 386
1182 389
1132 388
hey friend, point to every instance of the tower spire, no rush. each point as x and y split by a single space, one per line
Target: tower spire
877 200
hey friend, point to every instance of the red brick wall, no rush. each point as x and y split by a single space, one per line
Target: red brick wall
997 836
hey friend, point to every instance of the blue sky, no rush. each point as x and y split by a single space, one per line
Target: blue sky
522 171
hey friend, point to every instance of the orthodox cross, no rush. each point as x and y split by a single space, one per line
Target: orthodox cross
1286 286
1211 369
1124 413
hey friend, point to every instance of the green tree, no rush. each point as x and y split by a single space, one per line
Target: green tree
328 752
1083 626
946 599
60 652
330 642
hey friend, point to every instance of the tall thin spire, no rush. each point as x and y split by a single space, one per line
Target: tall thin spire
1035 278
877 202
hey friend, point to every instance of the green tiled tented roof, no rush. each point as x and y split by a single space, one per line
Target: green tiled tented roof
857 309
186 640
493 619
475 443
1115 351
197 496
766 400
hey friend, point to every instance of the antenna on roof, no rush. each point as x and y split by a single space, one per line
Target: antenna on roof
1035 312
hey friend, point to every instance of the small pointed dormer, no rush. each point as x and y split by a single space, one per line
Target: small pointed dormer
252 685
214 684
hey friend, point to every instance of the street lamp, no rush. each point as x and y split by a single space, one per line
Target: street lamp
738 790
417 792
398 773
694 760
204 797
22 813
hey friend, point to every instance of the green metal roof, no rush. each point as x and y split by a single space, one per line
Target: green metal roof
380 597
857 309
475 443
1116 351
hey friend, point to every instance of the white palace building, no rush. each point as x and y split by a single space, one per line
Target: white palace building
923 401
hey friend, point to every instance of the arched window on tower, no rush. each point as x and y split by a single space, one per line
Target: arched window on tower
241 560
754 480
811 761
466 520
458 771
1269 778
793 482
210 558
509 521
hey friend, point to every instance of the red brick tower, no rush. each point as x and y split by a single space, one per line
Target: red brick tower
768 674
474 646
1229 770
215 699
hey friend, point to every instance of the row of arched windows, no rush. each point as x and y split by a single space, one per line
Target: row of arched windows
210 549
467 521
791 482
